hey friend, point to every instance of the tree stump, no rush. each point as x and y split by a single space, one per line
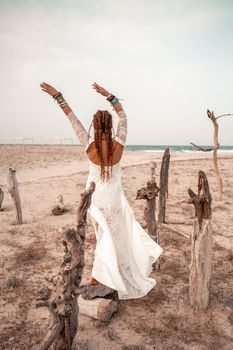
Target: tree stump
1 198
99 308
13 189
62 302
163 194
201 245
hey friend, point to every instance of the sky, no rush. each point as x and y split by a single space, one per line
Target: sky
167 60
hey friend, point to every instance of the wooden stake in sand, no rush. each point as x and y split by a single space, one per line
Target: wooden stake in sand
62 302
163 194
13 189
214 149
201 245
1 198
150 192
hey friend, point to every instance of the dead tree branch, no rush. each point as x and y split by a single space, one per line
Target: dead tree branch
202 200
62 302
163 194
199 148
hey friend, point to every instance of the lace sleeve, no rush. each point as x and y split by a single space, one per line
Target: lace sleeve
121 133
78 128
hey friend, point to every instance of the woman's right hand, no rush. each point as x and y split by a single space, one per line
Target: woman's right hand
49 89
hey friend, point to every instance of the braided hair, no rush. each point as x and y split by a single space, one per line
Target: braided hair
102 122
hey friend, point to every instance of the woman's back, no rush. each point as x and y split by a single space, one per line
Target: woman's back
92 153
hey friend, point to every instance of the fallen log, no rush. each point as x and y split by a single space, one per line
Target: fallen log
62 302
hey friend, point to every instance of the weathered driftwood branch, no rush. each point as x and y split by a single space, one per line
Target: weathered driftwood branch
203 149
163 194
215 148
215 153
224 115
14 191
59 208
1 198
62 302
150 192
201 245
202 200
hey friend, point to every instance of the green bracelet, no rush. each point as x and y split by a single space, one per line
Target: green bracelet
115 101
59 95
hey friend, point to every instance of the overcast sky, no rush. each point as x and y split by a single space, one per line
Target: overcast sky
168 60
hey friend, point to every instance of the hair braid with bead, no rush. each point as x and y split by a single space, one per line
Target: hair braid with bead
102 122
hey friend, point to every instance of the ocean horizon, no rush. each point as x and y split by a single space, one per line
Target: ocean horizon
174 148
145 148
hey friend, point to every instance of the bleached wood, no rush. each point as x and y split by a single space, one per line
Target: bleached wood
99 308
200 268
201 245
14 191
62 301
163 185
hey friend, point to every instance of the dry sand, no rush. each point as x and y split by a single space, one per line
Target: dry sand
31 253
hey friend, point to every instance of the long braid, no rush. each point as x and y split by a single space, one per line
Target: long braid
103 124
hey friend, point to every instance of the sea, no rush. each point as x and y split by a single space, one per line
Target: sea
174 148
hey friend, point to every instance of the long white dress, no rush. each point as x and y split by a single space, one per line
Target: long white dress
124 251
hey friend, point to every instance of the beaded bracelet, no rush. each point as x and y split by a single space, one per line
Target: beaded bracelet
57 96
115 101
112 99
63 104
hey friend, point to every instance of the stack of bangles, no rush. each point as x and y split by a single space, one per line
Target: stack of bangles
112 99
60 100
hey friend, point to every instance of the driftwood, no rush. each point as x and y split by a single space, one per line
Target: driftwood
13 189
150 192
215 153
201 245
163 194
62 302
215 148
203 149
59 208
99 308
1 198
202 200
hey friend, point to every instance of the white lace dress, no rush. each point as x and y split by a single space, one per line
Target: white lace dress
124 251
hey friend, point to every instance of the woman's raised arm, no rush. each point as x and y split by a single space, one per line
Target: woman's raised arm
121 133
76 123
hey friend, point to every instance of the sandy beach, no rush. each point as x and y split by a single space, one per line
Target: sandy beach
31 253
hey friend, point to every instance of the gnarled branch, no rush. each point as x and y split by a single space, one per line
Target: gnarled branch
62 302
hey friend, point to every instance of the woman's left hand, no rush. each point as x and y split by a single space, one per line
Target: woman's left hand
49 89
100 90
